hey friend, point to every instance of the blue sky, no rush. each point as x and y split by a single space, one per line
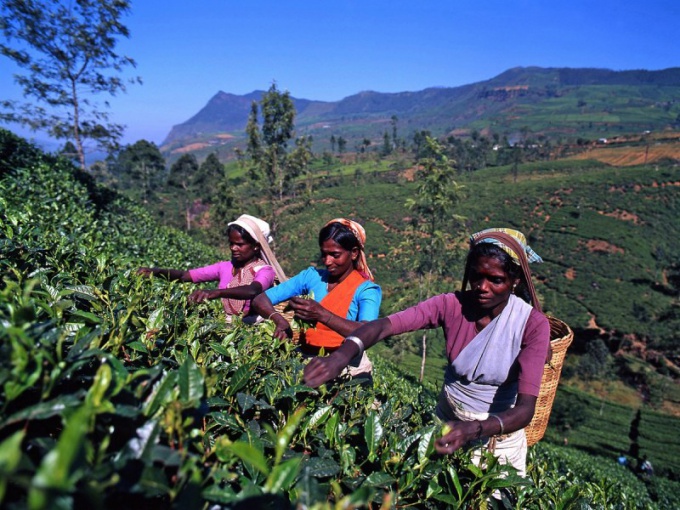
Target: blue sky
188 51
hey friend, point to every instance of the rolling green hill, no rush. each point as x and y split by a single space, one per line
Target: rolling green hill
555 102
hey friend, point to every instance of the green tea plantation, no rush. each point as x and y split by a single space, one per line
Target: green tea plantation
117 393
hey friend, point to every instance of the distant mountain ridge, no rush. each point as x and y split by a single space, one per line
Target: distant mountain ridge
554 101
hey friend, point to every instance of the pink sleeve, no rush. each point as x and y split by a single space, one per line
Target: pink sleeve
209 273
533 354
265 277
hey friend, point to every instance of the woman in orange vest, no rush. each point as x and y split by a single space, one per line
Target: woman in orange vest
344 295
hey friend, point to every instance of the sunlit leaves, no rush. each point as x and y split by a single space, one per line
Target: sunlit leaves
113 385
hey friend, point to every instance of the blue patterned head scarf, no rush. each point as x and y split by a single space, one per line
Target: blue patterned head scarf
531 255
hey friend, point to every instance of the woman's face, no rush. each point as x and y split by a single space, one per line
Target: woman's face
338 261
242 251
491 285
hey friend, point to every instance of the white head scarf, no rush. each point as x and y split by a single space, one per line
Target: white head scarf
242 221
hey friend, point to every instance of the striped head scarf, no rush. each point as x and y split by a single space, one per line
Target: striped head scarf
360 234
486 236
514 243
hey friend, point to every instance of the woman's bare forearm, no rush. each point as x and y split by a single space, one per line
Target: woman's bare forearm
341 326
242 292
370 333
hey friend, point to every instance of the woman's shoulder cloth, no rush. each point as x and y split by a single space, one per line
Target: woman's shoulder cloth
261 267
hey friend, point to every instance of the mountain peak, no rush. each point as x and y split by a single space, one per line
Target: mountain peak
439 110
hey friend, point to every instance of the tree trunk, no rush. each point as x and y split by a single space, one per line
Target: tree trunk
146 185
422 362
76 125
420 298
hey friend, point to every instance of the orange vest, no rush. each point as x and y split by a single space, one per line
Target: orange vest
336 301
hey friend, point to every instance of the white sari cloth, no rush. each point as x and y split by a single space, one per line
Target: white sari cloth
479 382
480 378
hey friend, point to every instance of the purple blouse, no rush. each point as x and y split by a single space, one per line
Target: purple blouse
445 311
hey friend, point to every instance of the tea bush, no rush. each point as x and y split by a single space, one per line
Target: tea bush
117 392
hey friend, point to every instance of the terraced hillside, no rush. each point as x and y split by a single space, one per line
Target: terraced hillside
116 392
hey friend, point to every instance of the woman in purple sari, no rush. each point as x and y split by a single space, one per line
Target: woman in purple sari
497 342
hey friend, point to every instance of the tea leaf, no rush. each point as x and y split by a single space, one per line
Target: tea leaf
239 379
250 455
191 383
283 476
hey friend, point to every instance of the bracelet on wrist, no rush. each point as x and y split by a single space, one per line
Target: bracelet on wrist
272 314
500 422
357 341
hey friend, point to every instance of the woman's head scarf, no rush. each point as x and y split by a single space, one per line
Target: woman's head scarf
360 234
260 231
486 236
514 243
252 225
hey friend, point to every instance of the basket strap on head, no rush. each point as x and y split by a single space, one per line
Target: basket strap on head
511 242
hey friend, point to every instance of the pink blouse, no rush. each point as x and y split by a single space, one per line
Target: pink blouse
222 272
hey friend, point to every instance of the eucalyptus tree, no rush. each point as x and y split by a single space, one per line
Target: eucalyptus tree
210 173
68 53
395 141
140 166
342 145
299 160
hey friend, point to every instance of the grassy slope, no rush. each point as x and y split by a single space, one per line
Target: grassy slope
607 235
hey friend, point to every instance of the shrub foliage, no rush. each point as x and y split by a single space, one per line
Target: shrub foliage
116 392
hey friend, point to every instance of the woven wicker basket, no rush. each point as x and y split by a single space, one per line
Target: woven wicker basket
561 337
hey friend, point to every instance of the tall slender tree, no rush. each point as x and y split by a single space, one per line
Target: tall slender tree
268 146
433 206
393 120
182 178
141 166
209 174
68 52
342 145
299 159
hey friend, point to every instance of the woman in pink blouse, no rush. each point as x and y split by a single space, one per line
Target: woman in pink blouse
497 342
247 274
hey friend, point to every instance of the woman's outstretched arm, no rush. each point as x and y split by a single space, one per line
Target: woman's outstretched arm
320 370
244 292
263 307
168 274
